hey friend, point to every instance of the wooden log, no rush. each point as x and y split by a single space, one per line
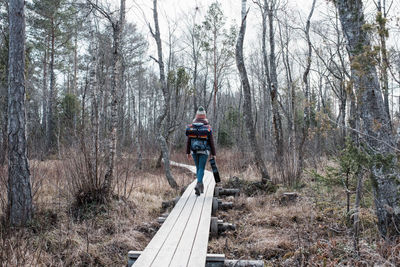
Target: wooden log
224 205
162 218
228 192
214 206
215 260
244 263
216 191
218 226
169 203
133 256
222 227
214 227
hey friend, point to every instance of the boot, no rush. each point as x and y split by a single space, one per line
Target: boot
197 189
201 188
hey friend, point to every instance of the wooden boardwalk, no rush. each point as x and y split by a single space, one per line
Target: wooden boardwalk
182 240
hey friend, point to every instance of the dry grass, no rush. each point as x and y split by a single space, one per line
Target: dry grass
311 231
100 238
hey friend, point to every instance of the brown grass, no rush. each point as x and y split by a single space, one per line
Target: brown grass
100 238
311 231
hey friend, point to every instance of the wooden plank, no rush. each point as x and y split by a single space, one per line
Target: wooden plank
162 234
199 249
167 250
183 238
184 248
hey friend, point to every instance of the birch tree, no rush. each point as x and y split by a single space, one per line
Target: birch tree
19 186
117 25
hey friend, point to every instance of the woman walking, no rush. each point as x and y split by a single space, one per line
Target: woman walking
199 145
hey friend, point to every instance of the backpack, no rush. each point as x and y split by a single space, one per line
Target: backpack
198 132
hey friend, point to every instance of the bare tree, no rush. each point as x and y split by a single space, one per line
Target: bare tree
165 106
268 10
251 131
19 186
117 26
306 118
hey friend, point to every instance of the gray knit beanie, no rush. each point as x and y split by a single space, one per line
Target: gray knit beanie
201 111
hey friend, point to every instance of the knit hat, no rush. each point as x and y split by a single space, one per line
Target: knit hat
201 113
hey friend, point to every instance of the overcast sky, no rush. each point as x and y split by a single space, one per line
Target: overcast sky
178 11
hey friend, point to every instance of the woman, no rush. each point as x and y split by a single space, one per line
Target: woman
199 144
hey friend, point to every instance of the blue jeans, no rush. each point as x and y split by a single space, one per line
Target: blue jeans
200 161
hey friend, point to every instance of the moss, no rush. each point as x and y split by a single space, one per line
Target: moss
367 27
384 162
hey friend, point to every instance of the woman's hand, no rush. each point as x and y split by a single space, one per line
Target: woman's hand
189 156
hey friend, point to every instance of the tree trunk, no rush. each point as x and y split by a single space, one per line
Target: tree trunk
94 131
376 122
215 112
19 186
115 87
51 123
45 92
356 225
306 123
4 119
195 58
383 32
272 77
75 82
164 108
247 98
3 154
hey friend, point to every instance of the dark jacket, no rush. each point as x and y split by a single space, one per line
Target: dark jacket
210 138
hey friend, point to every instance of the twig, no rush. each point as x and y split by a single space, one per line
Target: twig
364 134
153 58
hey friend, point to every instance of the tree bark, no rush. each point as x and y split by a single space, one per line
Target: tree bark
272 76
375 120
247 98
115 87
164 106
383 32
94 131
51 123
306 117
45 89
19 187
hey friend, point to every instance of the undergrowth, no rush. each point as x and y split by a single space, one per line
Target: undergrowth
311 230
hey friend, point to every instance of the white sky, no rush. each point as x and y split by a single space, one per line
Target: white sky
178 12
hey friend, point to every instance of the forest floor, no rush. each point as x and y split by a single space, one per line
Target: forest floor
312 230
